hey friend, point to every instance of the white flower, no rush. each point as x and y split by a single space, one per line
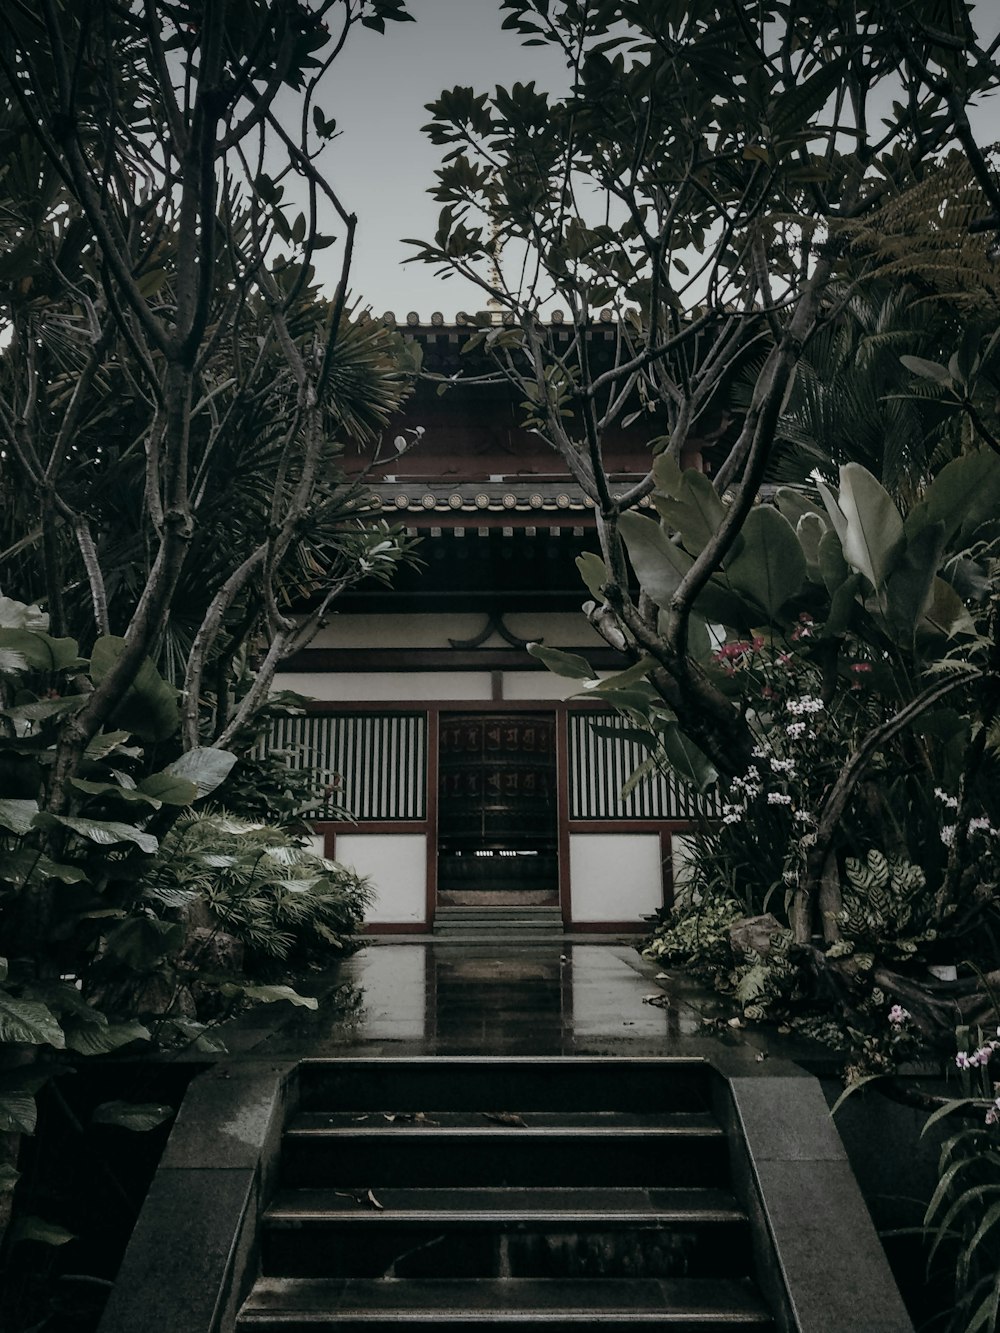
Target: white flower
732 814
948 834
807 704
778 798
945 799
803 817
980 823
783 766
796 730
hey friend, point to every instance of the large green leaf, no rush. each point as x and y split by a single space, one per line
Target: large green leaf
25 863
621 679
117 792
686 759
29 1227
207 768
149 707
810 531
168 788
41 709
17 816
102 1038
963 495
18 1113
137 1116
696 512
794 505
41 651
594 573
908 589
562 664
834 569
945 613
141 941
28 1021
270 994
659 564
874 533
19 615
105 832
770 567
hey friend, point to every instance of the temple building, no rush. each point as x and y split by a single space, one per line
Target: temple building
474 775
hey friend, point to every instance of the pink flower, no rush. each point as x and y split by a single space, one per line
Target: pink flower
861 667
898 1015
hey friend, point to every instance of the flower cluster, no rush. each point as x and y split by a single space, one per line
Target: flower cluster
898 1015
809 703
979 1058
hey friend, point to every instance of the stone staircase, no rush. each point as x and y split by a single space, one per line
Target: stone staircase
526 1193
493 924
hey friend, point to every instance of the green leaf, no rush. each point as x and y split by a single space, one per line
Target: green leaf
963 495
30 1022
794 505
41 651
149 707
594 573
104 832
854 1086
770 567
686 759
17 816
927 370
206 767
270 994
874 526
810 531
168 788
18 1113
659 564
695 513
667 474
141 941
137 1116
621 679
562 664
42 709
101 1038
945 613
116 791
29 1227
909 586
23 864
834 569
105 743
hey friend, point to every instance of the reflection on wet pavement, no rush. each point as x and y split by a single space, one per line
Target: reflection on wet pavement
428 997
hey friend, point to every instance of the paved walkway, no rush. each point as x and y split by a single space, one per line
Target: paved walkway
560 997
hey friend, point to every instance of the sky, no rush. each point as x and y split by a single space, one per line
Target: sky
383 165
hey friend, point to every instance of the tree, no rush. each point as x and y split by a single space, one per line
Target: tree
169 351
729 179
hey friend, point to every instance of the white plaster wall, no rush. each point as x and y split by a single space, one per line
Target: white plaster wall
317 843
396 863
614 876
388 686
435 631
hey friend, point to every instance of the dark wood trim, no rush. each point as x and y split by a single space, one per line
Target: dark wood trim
431 806
631 825
333 660
372 826
562 812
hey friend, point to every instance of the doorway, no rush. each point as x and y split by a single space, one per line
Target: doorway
497 809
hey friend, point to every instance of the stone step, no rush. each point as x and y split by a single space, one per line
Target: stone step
682 1305
686 1148
523 1083
516 1233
